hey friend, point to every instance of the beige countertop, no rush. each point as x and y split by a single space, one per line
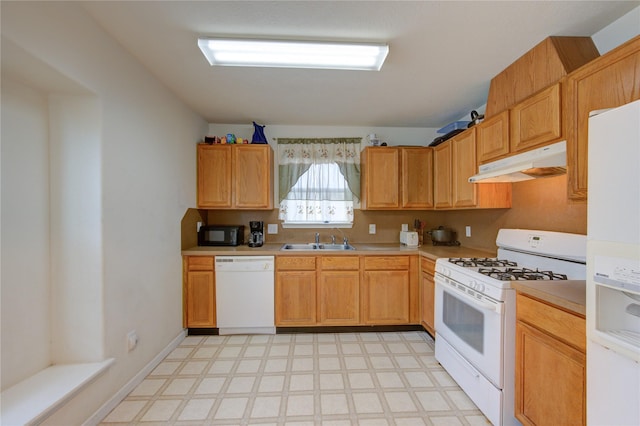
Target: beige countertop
272 249
569 295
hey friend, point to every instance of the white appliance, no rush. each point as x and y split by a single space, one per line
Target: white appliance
613 267
550 160
475 311
409 238
245 294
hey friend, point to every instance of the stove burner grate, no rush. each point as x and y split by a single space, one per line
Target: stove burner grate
472 262
521 274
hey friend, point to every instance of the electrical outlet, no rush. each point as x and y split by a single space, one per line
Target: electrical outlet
272 228
467 231
132 340
372 228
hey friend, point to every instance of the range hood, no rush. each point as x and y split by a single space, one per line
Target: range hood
550 160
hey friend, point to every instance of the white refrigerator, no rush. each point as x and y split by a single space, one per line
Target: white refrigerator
613 267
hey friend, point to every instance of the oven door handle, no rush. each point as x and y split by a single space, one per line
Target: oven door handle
488 306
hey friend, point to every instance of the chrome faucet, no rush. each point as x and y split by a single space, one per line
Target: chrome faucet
317 238
345 240
333 239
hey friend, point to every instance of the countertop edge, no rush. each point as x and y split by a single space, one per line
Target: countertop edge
568 295
273 249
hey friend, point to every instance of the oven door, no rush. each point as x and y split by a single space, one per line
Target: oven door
473 324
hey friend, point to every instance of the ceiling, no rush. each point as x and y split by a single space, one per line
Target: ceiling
442 55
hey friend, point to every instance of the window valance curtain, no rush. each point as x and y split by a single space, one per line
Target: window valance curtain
319 179
297 155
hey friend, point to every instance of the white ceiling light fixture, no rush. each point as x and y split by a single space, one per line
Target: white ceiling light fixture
293 54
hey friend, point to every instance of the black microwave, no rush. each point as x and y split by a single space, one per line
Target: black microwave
221 235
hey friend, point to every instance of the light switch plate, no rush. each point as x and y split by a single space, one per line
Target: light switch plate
272 228
372 228
467 231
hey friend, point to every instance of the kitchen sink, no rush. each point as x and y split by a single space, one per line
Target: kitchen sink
314 246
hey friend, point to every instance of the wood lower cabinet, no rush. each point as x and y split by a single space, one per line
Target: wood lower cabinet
396 178
235 176
199 292
295 289
390 290
606 82
550 364
427 295
339 290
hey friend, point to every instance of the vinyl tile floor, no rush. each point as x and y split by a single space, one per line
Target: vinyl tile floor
372 378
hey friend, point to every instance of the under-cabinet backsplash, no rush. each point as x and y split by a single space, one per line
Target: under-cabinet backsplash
537 204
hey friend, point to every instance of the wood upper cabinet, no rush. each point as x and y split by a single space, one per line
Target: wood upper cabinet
339 290
427 295
463 157
397 178
390 290
536 121
442 193
235 176
550 364
417 178
380 174
295 291
214 176
199 293
493 138
454 162
609 81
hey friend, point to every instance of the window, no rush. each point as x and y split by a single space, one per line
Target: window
319 180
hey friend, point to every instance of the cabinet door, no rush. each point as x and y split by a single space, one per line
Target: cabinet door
339 298
417 178
493 138
463 154
295 298
386 297
607 82
200 299
427 296
442 194
550 380
536 121
214 176
381 174
253 170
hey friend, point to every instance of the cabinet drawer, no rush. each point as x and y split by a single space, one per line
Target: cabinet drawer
554 321
340 263
295 263
372 263
200 263
427 265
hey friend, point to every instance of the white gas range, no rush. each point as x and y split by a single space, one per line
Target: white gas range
475 311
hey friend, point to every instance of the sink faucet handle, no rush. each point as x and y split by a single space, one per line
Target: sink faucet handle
345 240
333 239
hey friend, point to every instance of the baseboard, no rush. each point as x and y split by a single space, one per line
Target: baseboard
113 402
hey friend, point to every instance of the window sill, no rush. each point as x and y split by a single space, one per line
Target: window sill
321 225
36 398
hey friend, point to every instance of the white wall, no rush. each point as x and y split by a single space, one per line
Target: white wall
619 31
24 226
392 135
147 180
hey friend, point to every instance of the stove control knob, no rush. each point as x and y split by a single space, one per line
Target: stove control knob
480 287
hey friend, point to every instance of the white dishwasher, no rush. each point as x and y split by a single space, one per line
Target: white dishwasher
245 294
